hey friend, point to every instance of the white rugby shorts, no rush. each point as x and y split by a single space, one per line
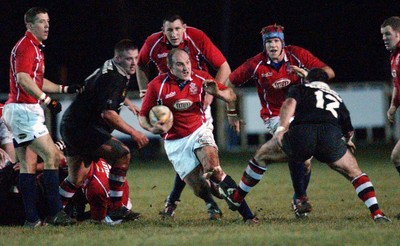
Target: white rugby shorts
5 134
25 121
272 123
181 152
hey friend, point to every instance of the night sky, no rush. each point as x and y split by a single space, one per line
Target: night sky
343 34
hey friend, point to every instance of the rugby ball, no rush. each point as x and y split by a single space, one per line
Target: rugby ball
160 113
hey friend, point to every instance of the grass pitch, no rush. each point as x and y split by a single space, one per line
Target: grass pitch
338 216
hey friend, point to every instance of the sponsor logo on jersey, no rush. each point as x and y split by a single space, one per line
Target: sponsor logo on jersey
162 55
397 60
170 95
280 83
193 89
22 136
266 75
182 104
394 74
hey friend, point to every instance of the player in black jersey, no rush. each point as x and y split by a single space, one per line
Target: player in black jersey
87 124
322 121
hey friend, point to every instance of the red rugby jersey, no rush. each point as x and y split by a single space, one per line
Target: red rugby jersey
395 70
272 85
186 104
26 56
199 46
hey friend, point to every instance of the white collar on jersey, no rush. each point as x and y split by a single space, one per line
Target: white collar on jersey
320 84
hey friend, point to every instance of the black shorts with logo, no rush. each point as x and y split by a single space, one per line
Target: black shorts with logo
323 141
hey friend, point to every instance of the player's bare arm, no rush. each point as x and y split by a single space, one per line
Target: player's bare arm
51 87
132 107
27 83
227 95
115 120
300 72
223 72
393 105
287 112
142 79
159 128
329 71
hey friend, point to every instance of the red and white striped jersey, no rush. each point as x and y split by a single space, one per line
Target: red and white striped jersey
186 104
27 57
272 84
198 45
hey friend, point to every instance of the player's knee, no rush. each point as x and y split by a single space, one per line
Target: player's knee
395 157
307 166
215 173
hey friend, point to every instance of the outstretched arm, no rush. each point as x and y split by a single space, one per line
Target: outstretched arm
227 94
116 121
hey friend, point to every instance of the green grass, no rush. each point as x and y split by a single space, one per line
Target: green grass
338 218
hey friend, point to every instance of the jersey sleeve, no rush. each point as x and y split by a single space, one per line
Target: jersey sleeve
294 92
310 61
109 93
149 100
211 53
242 74
344 119
24 59
144 54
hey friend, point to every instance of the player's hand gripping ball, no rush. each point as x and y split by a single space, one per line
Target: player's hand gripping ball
160 113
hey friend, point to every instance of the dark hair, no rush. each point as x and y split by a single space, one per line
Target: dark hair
172 18
317 74
171 54
393 21
124 44
30 15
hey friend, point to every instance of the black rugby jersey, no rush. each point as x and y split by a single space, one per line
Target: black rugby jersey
317 103
105 89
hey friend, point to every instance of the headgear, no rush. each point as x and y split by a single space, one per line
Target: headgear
273 31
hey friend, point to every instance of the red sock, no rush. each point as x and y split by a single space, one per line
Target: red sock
365 191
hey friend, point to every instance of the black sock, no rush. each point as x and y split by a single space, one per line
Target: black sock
229 181
51 187
307 178
297 171
245 211
176 192
27 187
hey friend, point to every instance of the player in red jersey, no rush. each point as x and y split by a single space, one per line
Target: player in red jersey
202 52
321 124
24 116
390 30
190 141
277 68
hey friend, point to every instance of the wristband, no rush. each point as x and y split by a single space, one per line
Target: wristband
44 98
280 129
232 112
63 88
